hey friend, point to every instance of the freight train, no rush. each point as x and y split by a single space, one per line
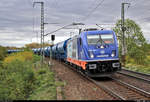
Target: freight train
94 52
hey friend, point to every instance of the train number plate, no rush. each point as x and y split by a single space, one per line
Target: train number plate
116 64
92 66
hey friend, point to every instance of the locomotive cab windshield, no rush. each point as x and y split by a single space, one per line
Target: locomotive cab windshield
100 38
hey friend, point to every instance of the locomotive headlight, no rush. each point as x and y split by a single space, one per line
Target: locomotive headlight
102 47
91 54
113 53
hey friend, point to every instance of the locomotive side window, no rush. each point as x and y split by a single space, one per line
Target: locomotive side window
94 39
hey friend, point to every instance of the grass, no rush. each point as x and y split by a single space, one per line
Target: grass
138 68
131 64
48 93
46 85
22 77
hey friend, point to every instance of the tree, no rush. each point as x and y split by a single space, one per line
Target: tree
36 45
134 38
133 32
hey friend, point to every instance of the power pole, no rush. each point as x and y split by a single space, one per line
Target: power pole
80 30
37 36
42 30
123 33
71 34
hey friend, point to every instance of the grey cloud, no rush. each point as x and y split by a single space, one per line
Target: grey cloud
17 17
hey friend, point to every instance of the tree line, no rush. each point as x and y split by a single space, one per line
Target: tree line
137 48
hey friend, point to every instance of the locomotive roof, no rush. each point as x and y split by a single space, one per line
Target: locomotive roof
99 31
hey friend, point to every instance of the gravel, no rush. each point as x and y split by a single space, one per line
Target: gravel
135 82
78 88
126 93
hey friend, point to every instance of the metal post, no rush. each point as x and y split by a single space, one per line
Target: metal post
37 36
42 30
51 53
122 26
71 34
80 30
50 62
123 33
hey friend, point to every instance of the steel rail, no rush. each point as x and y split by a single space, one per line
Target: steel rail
135 76
113 94
107 90
139 78
134 88
148 75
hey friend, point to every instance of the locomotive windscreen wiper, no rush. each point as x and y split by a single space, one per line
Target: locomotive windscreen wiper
101 40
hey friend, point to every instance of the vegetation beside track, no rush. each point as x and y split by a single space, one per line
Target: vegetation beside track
45 88
137 48
3 53
45 84
22 78
138 68
139 62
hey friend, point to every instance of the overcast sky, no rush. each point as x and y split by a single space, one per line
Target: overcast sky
20 22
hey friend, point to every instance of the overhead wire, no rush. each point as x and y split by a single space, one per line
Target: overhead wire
131 5
33 20
33 16
93 3
92 11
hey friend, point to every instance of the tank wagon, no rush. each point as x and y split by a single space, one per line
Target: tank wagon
55 52
13 51
62 50
47 51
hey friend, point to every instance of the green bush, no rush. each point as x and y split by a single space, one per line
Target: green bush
1 63
36 58
17 80
20 81
45 85
3 53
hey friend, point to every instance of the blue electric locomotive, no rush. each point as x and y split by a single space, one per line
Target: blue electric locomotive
94 52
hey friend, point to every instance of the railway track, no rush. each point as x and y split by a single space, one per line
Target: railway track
117 89
125 92
141 92
136 75
113 94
